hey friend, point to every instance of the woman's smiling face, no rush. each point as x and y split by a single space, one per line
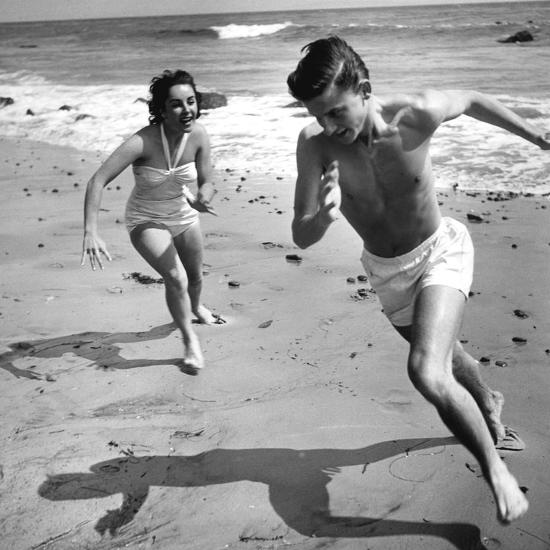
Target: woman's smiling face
181 107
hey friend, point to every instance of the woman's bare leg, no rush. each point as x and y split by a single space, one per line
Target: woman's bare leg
190 251
156 246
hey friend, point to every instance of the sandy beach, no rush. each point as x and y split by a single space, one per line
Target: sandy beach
303 430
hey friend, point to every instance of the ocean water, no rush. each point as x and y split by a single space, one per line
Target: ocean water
101 68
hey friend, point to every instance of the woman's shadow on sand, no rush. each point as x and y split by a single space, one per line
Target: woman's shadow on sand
102 349
297 482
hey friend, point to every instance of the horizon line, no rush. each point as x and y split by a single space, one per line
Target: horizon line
420 4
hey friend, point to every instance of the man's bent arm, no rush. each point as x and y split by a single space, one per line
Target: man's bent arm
310 222
308 229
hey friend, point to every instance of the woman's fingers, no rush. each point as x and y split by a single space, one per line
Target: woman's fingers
105 252
94 252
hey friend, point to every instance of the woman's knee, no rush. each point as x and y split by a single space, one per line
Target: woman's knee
194 278
175 279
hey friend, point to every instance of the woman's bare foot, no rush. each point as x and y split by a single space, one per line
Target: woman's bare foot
510 500
192 355
204 315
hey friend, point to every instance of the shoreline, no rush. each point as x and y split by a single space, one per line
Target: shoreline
303 429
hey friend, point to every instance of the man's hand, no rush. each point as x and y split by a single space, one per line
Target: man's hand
330 198
94 246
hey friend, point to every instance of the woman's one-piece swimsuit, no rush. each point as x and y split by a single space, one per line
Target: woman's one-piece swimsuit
162 196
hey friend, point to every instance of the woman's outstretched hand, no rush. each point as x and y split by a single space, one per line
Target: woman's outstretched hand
93 246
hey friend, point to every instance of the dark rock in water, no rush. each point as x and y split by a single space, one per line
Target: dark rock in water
519 340
65 108
293 258
212 100
234 284
350 280
474 218
484 360
294 105
362 278
30 112
501 363
22 346
28 46
82 117
5 101
520 36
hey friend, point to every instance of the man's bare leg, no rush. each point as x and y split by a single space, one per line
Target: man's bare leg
437 319
466 371
490 402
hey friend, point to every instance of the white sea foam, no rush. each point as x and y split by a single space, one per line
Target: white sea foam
249 31
258 133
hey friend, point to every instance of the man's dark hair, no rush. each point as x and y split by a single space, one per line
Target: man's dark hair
159 89
327 61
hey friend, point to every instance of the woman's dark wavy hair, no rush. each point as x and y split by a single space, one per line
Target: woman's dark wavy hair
159 88
326 61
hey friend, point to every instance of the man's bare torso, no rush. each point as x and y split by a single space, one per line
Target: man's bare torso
387 186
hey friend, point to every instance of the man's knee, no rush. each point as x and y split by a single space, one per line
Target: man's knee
429 374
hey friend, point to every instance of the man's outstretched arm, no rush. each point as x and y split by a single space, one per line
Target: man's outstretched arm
450 104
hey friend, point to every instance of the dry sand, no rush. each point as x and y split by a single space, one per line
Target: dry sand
303 430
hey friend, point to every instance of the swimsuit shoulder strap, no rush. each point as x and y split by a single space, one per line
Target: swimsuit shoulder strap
181 147
166 149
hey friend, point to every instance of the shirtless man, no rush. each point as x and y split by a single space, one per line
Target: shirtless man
369 158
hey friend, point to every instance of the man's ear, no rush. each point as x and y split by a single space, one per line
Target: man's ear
364 86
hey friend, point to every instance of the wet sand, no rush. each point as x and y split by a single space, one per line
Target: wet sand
302 431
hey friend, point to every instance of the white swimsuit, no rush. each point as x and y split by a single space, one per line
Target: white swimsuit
162 196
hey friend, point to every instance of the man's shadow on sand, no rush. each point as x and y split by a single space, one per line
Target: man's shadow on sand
297 482
101 348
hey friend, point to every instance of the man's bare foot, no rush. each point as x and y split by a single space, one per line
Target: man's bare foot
510 500
204 315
